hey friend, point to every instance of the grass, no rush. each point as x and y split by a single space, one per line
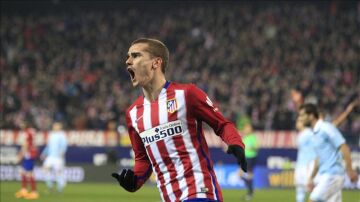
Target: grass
111 192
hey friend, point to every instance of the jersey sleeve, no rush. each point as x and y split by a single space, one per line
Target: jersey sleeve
204 109
335 135
142 167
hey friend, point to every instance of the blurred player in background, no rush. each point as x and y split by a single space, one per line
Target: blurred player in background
27 155
165 129
330 149
251 151
54 155
306 153
305 159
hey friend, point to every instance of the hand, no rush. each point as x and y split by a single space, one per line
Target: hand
239 153
310 185
127 179
353 176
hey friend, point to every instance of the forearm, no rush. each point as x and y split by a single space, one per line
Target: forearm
230 135
20 156
345 150
341 118
142 170
315 169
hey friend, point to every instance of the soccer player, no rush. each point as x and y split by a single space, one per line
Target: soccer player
165 129
54 155
27 156
304 161
251 150
330 149
306 153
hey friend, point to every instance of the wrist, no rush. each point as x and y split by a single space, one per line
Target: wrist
348 170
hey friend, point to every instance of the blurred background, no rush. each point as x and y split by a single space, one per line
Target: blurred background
65 61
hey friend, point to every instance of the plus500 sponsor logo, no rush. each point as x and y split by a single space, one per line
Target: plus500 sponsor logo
161 132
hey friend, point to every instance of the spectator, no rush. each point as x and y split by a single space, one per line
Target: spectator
54 64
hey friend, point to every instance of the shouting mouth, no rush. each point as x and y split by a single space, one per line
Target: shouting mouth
131 73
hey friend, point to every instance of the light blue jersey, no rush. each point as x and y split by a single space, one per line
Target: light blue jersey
306 151
327 140
56 145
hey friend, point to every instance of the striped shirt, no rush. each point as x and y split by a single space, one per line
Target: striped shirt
168 139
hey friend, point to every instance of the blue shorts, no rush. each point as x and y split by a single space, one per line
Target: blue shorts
28 164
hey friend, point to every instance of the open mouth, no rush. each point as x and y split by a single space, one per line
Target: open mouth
131 73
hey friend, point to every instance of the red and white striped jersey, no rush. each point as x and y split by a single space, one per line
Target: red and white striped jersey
167 138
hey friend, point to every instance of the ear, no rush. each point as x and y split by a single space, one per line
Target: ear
157 63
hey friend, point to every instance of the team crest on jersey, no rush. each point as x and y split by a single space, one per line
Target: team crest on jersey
171 105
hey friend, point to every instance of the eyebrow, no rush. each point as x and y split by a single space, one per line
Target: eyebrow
133 54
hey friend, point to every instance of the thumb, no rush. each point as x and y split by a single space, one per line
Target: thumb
115 175
230 149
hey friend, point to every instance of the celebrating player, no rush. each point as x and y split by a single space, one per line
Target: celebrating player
165 129
330 149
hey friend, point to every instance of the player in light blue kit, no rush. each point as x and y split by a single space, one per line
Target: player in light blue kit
331 149
54 154
305 160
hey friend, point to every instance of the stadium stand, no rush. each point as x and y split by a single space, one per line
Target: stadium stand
70 65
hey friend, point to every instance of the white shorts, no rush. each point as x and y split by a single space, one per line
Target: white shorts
54 163
302 174
328 188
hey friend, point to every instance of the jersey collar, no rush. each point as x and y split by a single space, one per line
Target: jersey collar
318 125
166 85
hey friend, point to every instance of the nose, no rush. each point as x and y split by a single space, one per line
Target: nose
128 61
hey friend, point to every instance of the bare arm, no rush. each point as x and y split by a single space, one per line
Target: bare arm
345 150
341 118
314 171
22 152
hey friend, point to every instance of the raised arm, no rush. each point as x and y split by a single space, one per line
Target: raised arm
341 118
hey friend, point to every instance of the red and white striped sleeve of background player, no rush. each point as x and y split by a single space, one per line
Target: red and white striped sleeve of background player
167 138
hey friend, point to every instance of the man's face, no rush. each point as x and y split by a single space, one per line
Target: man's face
305 118
139 64
57 126
299 124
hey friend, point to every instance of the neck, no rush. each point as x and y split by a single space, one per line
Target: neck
313 123
154 88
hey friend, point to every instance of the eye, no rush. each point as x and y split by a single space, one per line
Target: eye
135 55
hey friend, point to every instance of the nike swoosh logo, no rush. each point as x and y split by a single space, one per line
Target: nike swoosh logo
138 119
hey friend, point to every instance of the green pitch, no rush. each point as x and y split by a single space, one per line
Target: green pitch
93 192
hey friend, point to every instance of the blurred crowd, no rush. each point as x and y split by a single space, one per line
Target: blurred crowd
70 66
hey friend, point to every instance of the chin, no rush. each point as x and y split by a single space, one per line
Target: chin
135 83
